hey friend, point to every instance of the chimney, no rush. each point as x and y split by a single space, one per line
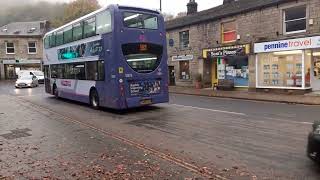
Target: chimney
192 7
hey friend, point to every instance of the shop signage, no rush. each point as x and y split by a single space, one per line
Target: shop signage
287 45
183 58
238 50
22 61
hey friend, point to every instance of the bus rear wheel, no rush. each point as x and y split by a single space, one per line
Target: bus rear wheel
94 99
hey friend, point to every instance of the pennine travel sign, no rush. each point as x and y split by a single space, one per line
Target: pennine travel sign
288 45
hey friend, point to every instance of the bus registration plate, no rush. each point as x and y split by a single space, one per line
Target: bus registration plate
146 102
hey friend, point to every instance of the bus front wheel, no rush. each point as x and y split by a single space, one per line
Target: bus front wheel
94 99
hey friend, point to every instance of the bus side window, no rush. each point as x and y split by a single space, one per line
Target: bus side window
92 70
54 73
104 22
89 27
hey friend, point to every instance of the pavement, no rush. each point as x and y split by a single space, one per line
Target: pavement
308 99
191 137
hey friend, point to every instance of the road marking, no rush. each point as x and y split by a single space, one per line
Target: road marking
288 121
212 110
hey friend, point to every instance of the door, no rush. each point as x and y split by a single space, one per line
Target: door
47 79
214 76
172 76
10 72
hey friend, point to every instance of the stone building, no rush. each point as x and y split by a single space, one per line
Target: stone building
254 44
21 47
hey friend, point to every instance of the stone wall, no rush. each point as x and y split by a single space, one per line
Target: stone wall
21 48
255 26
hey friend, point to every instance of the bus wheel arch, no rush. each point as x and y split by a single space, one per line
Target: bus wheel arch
94 98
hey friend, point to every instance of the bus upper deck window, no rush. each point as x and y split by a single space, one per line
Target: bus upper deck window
140 20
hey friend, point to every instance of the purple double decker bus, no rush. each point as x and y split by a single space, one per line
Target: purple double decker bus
115 57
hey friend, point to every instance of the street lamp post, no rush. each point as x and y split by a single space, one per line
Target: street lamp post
160 5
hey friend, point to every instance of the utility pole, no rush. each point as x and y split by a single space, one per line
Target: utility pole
160 5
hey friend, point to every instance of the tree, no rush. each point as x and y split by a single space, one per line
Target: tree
79 8
167 16
181 14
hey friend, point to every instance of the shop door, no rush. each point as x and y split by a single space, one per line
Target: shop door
10 72
214 76
172 76
315 80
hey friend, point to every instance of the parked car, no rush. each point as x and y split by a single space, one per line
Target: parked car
38 74
313 148
27 81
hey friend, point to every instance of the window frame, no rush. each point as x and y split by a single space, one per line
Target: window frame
181 40
284 21
35 47
14 48
225 32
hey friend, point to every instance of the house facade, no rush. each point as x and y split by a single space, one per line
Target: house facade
254 44
21 47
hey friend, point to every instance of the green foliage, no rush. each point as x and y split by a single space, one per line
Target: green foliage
57 13
79 8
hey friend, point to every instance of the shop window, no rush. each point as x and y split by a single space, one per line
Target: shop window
295 20
229 33
89 27
32 47
184 70
281 69
77 31
104 22
234 68
67 35
10 48
184 39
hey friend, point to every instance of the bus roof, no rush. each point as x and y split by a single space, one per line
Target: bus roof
98 11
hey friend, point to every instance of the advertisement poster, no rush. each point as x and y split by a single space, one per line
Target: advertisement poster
81 50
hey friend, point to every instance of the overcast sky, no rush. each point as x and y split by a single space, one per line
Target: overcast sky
169 6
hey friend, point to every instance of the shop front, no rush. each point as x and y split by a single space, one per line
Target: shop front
183 62
288 64
12 67
229 65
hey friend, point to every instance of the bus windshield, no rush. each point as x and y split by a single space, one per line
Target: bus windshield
143 58
140 20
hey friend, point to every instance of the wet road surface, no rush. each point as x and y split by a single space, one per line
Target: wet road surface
267 140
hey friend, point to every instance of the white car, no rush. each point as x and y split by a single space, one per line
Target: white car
38 74
27 81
